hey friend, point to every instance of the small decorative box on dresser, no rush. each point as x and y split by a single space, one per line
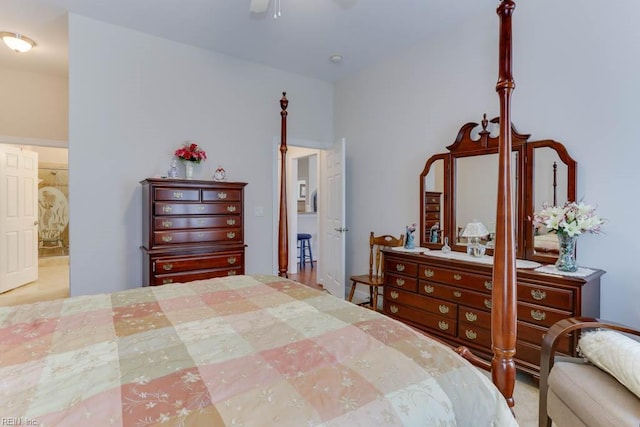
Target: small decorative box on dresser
451 299
191 230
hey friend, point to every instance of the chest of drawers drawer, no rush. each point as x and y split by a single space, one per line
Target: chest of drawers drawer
399 266
197 236
542 295
473 316
403 282
166 209
176 264
456 278
540 315
421 317
442 308
458 295
220 221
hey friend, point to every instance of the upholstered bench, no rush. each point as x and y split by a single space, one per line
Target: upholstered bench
576 392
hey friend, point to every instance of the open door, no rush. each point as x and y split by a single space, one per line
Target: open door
331 271
18 217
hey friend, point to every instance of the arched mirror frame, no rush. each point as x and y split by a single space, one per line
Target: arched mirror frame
465 146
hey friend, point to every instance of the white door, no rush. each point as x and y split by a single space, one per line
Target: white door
331 272
18 217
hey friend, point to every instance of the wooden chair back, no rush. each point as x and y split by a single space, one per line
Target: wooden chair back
376 257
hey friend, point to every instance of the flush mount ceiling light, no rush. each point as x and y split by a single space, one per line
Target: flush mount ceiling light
17 42
336 59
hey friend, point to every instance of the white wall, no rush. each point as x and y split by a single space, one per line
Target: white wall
576 72
134 99
34 105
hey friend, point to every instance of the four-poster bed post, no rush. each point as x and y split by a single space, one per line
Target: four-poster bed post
503 314
283 229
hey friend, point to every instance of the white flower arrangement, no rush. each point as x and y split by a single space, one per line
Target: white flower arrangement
571 219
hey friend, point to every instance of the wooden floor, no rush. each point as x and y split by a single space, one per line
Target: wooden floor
307 276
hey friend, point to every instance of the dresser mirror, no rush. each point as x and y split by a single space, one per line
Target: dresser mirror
464 181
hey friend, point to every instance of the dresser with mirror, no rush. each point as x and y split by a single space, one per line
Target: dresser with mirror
448 293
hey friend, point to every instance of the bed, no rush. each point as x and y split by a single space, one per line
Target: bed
257 350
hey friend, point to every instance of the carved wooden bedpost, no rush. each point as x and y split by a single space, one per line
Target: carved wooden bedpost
283 227
503 314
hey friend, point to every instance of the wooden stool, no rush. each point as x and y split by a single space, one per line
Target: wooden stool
304 249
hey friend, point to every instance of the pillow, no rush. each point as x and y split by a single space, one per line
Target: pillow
614 353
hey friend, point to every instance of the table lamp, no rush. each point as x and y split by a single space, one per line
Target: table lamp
473 231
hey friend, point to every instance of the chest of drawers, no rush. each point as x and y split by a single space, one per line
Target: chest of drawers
451 299
191 230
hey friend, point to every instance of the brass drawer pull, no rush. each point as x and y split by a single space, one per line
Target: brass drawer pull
167 267
457 277
166 209
231 208
393 309
443 309
394 295
538 315
400 282
399 267
231 221
487 303
178 195
472 335
231 273
165 281
488 285
200 207
167 224
428 273
457 294
222 195
537 294
200 221
443 325
231 260
231 235
428 289
200 235
471 317
167 238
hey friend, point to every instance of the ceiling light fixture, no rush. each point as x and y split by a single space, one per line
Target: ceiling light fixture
17 42
336 59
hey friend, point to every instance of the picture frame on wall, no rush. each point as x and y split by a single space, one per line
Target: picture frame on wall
302 190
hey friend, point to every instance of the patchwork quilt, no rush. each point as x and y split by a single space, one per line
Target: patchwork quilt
237 351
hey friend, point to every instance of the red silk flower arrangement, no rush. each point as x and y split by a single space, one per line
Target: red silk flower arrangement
190 152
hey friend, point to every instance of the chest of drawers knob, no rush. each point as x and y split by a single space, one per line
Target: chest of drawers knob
167 209
167 267
471 317
399 267
428 273
400 282
443 325
167 238
538 295
167 224
231 208
231 235
487 303
457 294
443 309
428 289
394 295
472 335
488 285
165 281
222 195
457 277
393 309
538 315
178 195
231 260
231 221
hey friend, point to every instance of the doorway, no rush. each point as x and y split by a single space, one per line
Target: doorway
53 228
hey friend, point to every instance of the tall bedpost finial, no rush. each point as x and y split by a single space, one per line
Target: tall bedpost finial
503 314
283 227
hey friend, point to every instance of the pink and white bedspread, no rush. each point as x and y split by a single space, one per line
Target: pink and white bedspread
238 351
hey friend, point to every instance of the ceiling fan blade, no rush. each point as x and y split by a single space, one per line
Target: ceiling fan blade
259 6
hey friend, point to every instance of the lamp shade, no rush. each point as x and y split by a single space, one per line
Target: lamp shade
17 42
475 229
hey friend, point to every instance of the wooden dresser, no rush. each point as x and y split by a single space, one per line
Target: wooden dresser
191 230
451 299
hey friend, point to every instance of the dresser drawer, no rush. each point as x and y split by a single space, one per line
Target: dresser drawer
473 334
179 194
458 295
224 235
177 264
553 297
196 208
540 315
442 308
474 316
402 282
221 195
163 279
431 216
430 200
404 267
173 223
534 334
435 207
456 278
420 317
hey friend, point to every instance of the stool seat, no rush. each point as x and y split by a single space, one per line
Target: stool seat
304 249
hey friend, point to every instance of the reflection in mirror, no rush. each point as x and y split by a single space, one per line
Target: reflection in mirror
551 188
434 203
477 193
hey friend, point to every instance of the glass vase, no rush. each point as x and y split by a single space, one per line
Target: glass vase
188 169
567 256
